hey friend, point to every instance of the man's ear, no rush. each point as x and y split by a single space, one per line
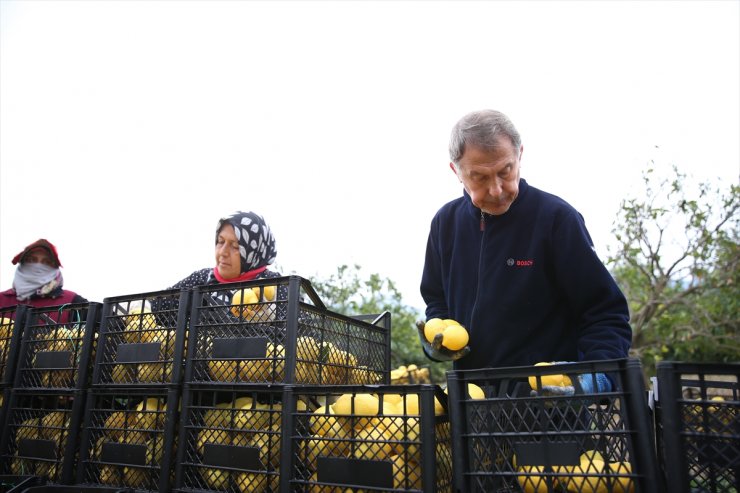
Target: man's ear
521 151
454 169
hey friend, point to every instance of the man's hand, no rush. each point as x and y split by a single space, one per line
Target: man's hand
435 351
588 383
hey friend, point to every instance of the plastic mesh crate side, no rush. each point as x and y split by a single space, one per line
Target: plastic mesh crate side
517 437
12 321
4 405
56 347
235 342
639 418
74 489
231 438
129 438
142 339
18 483
369 437
41 434
698 426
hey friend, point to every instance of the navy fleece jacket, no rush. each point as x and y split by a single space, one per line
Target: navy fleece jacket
527 284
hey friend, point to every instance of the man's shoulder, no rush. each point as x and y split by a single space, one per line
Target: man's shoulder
547 197
452 207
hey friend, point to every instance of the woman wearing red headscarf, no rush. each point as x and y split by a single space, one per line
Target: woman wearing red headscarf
38 279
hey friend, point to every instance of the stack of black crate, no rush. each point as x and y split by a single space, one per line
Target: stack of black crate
130 421
44 411
11 329
249 342
697 417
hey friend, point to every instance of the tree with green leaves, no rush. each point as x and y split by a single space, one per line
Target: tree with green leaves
677 261
346 292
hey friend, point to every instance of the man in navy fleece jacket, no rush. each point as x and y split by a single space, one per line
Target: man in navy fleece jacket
516 265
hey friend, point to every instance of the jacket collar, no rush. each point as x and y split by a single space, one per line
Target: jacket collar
476 212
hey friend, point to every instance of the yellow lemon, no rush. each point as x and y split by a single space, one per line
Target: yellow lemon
558 380
364 404
325 423
372 443
432 327
454 337
530 481
438 408
268 291
410 405
243 297
475 392
623 483
406 474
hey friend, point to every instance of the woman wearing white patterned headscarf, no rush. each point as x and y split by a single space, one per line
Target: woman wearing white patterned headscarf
245 247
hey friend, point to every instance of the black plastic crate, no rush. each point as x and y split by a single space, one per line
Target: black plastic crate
509 436
697 407
73 489
231 439
17 483
57 346
4 404
142 339
12 320
41 434
393 438
281 332
129 438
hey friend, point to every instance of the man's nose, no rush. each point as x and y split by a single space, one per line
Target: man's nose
494 188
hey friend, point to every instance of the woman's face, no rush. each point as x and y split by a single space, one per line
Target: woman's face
39 256
228 261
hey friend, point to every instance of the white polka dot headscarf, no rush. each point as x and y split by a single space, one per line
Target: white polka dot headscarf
256 242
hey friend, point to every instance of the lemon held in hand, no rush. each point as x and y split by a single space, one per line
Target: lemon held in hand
454 335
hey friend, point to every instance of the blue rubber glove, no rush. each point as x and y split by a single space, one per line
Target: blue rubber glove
594 383
435 351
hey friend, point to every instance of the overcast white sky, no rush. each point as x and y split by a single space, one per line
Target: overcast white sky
127 128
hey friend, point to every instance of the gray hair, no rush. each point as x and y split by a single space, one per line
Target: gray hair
482 129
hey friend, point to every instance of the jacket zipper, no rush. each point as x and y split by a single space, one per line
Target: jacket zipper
482 221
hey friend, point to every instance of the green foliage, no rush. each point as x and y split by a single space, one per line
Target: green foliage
346 292
677 263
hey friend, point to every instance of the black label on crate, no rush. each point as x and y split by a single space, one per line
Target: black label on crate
37 449
560 453
242 347
234 456
52 359
135 353
356 472
123 453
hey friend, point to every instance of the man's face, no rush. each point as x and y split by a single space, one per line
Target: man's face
491 176
39 255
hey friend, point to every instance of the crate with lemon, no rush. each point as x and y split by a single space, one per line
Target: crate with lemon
278 331
393 438
553 427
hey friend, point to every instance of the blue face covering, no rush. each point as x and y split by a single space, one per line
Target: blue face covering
36 279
